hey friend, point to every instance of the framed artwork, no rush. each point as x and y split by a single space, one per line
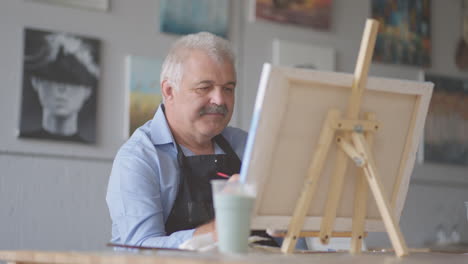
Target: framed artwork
100 5
60 80
143 90
314 14
446 130
404 35
301 55
191 16
292 105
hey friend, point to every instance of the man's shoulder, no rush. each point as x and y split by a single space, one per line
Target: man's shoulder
237 138
234 132
139 142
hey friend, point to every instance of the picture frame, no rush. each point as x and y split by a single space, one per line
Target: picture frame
445 139
61 73
314 14
290 108
98 5
176 16
404 35
143 91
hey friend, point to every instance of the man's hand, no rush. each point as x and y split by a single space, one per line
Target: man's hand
209 227
234 178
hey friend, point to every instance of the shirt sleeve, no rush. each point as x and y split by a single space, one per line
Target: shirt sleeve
134 201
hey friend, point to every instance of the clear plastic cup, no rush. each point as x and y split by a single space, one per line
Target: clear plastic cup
233 204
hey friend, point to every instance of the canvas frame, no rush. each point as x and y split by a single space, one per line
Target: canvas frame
281 143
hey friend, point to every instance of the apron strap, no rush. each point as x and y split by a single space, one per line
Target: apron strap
226 147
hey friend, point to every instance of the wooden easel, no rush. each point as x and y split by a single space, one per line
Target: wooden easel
355 141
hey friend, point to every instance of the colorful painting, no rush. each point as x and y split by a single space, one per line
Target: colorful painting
144 92
404 33
446 130
191 16
308 13
60 81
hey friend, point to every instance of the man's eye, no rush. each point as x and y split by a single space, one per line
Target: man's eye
228 89
202 90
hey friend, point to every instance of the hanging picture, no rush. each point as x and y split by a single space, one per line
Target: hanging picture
191 16
60 80
314 14
143 89
446 130
100 5
404 35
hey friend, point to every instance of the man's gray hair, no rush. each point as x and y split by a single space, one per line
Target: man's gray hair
217 48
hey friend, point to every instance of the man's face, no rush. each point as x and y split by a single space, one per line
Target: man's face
60 99
204 103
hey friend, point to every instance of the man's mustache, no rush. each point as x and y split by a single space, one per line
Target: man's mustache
214 109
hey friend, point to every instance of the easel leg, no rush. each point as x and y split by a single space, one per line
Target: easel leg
360 200
383 205
334 195
314 172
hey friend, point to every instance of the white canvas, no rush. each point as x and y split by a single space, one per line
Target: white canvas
288 115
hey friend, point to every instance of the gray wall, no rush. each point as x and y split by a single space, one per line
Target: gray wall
52 194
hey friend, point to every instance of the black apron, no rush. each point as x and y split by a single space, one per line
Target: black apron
193 205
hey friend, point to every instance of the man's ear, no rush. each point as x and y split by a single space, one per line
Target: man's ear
167 90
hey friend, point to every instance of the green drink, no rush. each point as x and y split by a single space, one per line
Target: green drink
233 208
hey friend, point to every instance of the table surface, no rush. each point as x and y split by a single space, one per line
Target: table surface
185 257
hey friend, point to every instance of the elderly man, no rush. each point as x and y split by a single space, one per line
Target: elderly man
159 190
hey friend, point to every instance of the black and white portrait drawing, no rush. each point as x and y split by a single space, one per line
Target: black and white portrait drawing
60 78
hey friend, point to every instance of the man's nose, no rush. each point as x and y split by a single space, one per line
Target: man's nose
218 96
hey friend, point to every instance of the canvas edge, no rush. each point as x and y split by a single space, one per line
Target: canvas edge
264 78
416 138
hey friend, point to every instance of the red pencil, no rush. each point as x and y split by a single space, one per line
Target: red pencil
222 175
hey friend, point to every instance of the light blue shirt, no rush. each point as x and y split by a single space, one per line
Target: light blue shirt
144 180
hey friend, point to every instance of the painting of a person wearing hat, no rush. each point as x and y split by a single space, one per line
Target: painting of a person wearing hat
60 76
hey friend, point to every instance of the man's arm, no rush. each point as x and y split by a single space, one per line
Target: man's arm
134 201
206 228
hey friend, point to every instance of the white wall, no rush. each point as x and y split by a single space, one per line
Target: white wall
52 194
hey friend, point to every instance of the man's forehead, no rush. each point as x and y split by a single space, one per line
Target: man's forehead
212 82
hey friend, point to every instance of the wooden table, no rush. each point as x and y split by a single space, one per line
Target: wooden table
181 257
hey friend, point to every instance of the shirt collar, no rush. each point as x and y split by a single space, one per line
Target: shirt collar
160 132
